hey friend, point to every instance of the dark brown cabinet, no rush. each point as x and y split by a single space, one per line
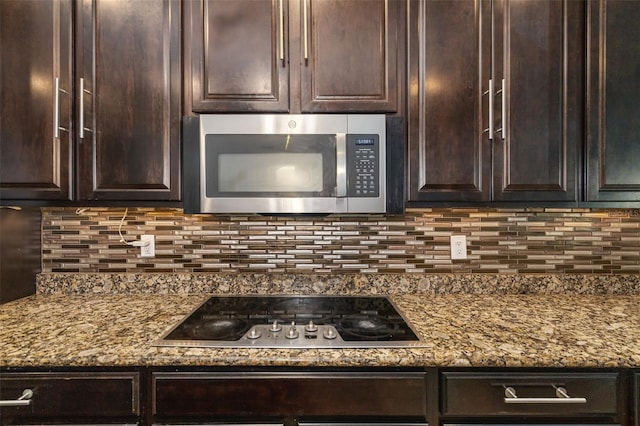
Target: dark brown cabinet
128 109
515 393
543 396
635 401
613 142
294 55
495 100
254 395
277 397
20 252
69 397
35 90
111 131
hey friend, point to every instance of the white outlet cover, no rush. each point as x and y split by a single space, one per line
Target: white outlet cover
458 247
150 249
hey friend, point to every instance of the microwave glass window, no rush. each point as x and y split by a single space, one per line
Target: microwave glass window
270 165
280 172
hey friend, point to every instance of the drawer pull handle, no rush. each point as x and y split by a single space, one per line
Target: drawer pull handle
25 399
562 397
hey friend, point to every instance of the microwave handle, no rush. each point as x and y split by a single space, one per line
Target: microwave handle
341 165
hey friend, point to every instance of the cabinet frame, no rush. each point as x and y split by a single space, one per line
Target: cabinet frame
50 175
199 97
294 49
480 170
96 165
602 188
129 154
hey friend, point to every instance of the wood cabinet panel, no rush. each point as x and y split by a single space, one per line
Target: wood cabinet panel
613 143
238 55
449 156
71 397
20 252
295 55
477 394
282 395
122 140
635 398
538 67
35 50
131 112
495 107
350 55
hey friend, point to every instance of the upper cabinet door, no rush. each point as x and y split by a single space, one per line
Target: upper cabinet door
538 75
495 100
350 56
449 72
35 100
294 55
613 142
128 99
239 55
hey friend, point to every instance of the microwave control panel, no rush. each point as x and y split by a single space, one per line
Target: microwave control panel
363 165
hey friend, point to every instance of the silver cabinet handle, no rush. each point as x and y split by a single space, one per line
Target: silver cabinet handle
504 109
562 397
281 17
491 114
306 30
56 108
81 118
24 399
341 165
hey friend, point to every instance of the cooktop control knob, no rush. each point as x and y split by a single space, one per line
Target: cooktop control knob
254 334
329 334
275 327
311 327
292 333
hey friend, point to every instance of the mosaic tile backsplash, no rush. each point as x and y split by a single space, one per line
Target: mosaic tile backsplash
499 241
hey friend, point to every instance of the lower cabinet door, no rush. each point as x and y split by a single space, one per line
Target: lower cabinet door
535 395
69 397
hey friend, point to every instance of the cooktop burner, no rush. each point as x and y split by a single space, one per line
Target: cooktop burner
293 322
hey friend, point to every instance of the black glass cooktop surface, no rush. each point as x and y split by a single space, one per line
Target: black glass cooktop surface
293 322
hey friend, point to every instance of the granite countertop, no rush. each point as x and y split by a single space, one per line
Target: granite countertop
460 330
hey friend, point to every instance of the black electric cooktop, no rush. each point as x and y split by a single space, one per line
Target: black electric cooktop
293 322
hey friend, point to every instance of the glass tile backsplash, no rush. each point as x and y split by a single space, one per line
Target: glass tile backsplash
498 241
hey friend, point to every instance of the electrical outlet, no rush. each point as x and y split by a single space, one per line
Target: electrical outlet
150 249
458 247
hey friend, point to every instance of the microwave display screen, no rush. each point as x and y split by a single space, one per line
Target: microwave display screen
278 172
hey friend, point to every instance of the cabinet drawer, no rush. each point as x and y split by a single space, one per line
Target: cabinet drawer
71 395
279 395
504 394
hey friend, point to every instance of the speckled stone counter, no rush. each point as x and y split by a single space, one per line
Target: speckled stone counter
356 284
459 330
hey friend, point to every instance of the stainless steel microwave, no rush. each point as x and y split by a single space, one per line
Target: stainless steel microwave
293 164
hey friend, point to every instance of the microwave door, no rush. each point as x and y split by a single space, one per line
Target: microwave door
273 173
